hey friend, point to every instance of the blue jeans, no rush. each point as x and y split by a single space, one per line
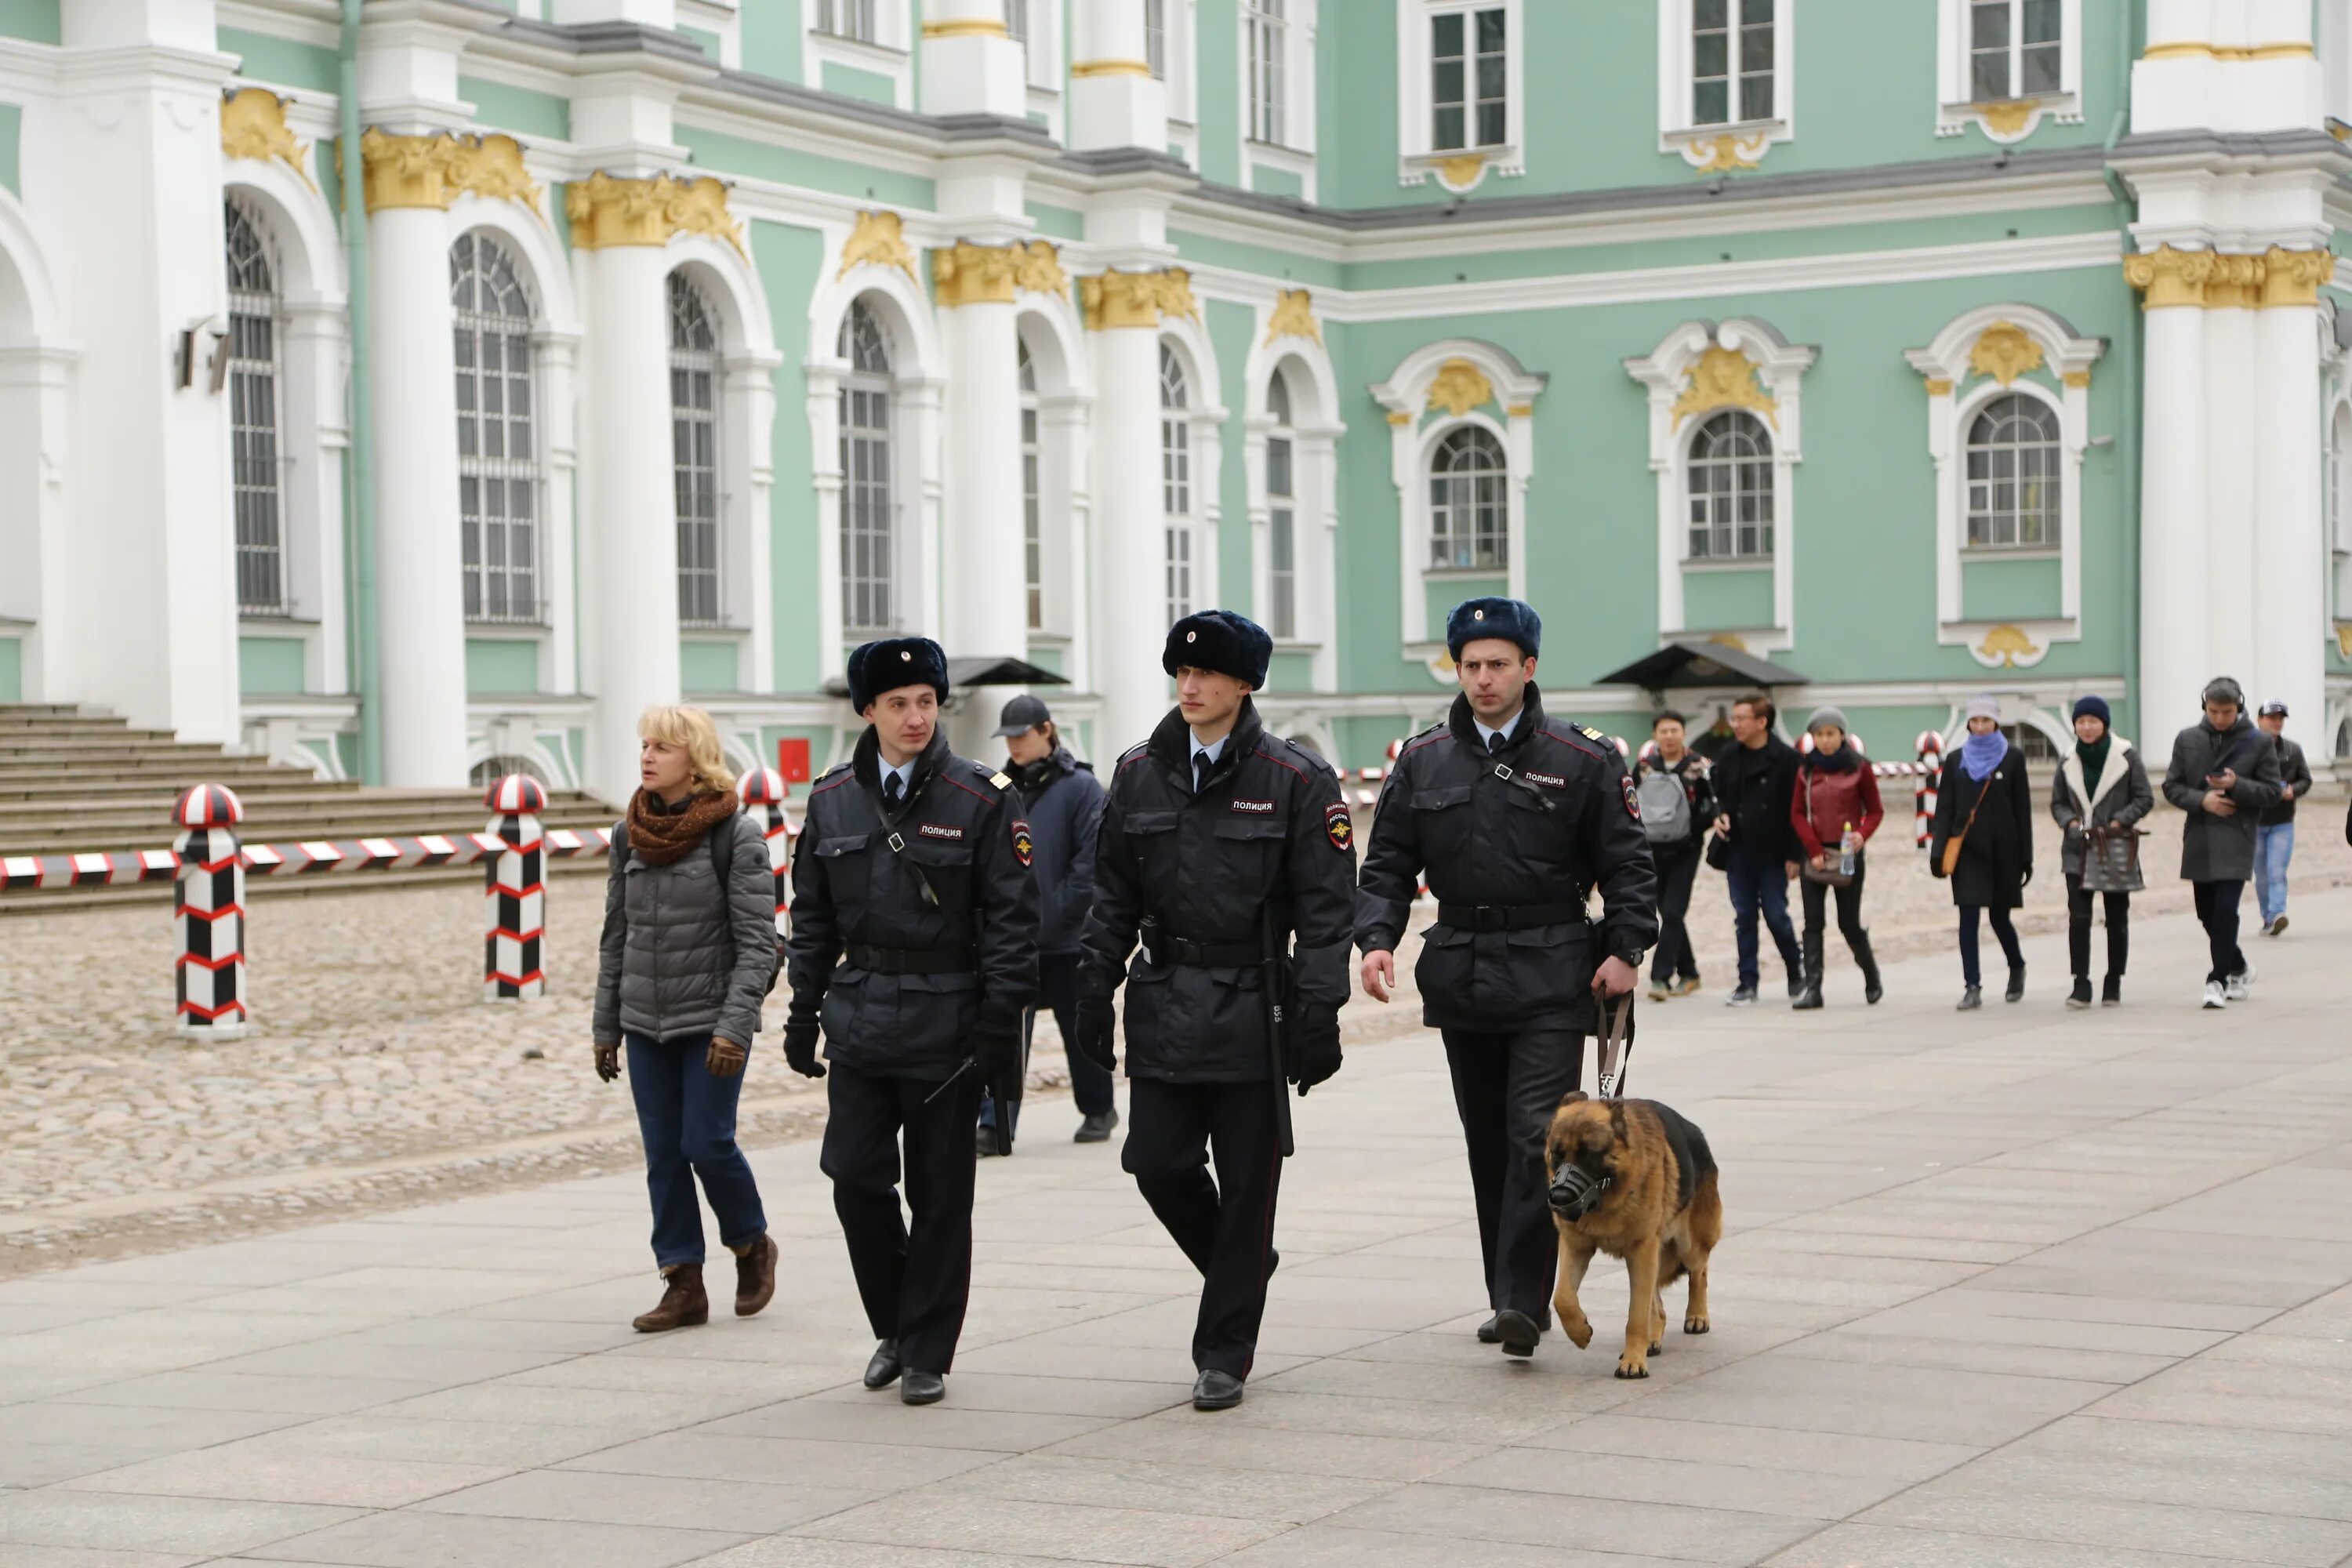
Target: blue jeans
2273 847
688 1120
1761 888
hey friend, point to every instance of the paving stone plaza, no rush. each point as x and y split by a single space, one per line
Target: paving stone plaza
2020 1287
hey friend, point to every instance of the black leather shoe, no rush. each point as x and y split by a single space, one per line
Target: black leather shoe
883 1370
1488 1335
2016 990
1517 1332
922 1387
1096 1129
1214 1390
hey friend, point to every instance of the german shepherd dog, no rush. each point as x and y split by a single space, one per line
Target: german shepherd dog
1632 1178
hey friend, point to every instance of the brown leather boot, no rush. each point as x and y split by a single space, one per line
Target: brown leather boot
755 1276
682 1305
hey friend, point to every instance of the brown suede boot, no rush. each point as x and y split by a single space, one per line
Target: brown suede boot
755 1274
682 1305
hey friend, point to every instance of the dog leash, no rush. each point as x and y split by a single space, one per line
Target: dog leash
1616 1047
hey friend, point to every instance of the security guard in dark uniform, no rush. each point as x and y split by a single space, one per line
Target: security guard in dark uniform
1516 815
1220 840
911 874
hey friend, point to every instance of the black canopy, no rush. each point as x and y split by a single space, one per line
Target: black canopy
1686 662
963 673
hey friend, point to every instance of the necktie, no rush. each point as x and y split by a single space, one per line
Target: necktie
892 790
1494 744
1200 765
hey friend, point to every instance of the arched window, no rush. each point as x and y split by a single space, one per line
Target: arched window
1730 481
1281 515
2012 498
255 412
694 449
1469 519
498 451
490 770
1176 482
1032 536
2339 508
869 514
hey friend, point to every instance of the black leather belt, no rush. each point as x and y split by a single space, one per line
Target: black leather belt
1166 950
1508 917
913 959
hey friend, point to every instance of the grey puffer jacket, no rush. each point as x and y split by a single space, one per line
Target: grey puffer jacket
676 957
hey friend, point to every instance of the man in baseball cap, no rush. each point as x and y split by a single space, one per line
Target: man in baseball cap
2275 828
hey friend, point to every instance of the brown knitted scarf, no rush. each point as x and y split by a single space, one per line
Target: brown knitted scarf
658 837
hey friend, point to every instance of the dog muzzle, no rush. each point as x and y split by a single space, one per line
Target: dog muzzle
1577 1192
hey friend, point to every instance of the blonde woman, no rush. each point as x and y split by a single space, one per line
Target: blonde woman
686 958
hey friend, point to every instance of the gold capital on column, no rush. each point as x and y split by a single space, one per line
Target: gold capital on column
605 211
2235 284
1138 298
432 171
2168 276
967 274
2294 277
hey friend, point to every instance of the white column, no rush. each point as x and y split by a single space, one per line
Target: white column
1130 598
632 566
746 447
971 64
315 351
2228 521
1115 101
420 558
984 577
2174 657
2290 550
122 173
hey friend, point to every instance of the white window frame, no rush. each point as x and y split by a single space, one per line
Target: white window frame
1419 159
865 383
1292 152
1266 71
1735 144
889 54
1466 514
688 366
2051 518
1958 387
1774 392
1696 430
1033 492
1283 456
2338 502
2008 120
256 318
1180 52
1300 357
1180 482
528 470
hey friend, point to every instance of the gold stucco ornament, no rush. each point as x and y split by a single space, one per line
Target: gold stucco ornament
2005 352
1292 317
877 240
253 125
1723 378
1459 387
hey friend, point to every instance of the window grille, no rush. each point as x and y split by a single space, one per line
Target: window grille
848 19
869 514
1469 517
1268 34
694 450
255 427
490 770
497 453
1467 91
1176 482
2012 467
2014 49
1281 514
2340 509
1731 61
1730 479
1155 37
1032 539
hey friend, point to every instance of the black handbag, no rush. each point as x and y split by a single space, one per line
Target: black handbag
1719 848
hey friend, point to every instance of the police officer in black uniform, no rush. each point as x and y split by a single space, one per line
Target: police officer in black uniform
1220 840
1516 815
911 875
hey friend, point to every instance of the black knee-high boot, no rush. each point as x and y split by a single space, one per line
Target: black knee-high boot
1867 962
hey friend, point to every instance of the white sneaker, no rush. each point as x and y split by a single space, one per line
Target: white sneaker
2214 996
2235 991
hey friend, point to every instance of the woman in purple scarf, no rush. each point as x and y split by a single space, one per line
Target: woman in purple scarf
1986 805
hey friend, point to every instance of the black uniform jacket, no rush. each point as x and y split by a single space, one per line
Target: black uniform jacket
1549 820
960 830
1269 829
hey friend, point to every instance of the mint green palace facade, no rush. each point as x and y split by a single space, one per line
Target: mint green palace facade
668 346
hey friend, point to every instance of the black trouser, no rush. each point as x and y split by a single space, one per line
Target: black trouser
1849 920
1506 1084
914 1284
2217 911
1226 1225
1057 993
1677 872
2078 927
1971 971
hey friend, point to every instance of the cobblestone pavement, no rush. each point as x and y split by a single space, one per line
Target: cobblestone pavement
377 1077
2015 1287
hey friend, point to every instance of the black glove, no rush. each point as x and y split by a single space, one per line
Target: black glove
2025 876
608 1059
1096 1024
799 1049
1313 1048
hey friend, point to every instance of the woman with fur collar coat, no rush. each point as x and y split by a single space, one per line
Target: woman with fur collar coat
2100 793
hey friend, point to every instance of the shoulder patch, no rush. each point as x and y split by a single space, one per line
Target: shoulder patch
1590 733
1338 827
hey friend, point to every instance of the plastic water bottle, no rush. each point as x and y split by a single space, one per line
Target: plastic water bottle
1849 847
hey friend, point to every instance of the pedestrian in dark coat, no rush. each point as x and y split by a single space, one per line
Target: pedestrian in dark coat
1221 843
914 940
1065 807
2097 799
2224 772
1517 816
1754 782
2274 834
684 959
1986 804
1674 966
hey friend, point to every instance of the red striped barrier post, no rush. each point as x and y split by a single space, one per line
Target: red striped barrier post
515 891
1923 794
208 910
763 793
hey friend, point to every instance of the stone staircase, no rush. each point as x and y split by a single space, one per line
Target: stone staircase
72 780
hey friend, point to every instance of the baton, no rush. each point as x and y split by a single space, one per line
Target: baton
1616 1046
